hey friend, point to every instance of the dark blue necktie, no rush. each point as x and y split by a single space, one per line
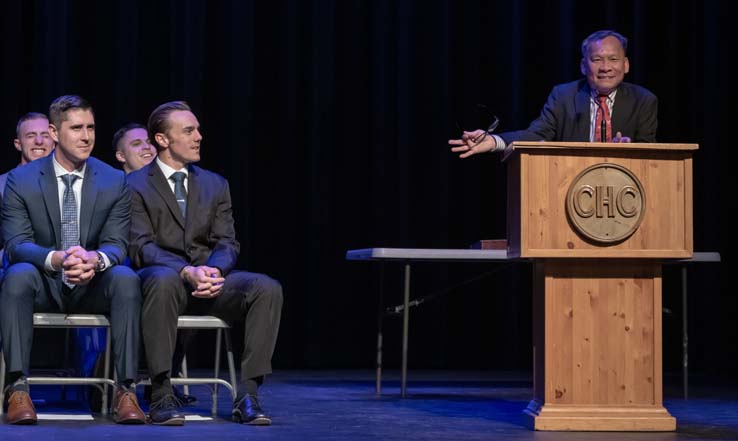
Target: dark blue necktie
180 193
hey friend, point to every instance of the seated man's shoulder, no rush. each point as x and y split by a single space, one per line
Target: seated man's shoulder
29 169
208 175
107 174
638 91
571 87
103 167
137 177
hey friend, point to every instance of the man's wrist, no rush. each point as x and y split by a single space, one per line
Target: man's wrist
100 265
185 270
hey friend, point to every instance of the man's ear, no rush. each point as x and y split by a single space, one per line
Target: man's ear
162 140
53 133
583 67
627 66
120 157
17 144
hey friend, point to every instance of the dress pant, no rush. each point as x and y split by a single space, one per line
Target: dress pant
250 297
115 292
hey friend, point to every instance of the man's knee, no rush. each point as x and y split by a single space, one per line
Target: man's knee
269 289
21 280
125 283
160 283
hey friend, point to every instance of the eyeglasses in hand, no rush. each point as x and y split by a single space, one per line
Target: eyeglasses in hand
487 115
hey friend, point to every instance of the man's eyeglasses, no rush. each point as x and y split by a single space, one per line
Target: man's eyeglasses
486 115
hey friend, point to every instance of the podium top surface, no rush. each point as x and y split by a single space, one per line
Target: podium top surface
428 254
622 146
472 255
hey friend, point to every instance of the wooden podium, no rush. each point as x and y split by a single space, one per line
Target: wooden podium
598 219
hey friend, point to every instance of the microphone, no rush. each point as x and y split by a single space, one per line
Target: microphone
603 123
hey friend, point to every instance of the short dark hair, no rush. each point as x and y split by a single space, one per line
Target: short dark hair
122 132
27 117
601 35
158 118
64 103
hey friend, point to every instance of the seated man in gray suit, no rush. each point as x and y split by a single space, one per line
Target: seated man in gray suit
65 222
184 240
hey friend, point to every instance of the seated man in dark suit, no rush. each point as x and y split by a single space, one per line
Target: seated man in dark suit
580 110
65 222
184 242
133 150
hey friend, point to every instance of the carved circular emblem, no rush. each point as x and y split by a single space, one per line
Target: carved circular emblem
606 203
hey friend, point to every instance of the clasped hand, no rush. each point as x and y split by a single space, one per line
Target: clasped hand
206 280
77 263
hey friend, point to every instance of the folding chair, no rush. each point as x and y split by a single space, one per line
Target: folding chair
66 321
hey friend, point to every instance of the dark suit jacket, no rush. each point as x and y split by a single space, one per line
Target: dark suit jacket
566 117
31 216
161 236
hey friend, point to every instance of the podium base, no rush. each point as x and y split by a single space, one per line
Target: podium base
599 418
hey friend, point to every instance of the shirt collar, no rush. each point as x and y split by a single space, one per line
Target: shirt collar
169 171
61 171
610 96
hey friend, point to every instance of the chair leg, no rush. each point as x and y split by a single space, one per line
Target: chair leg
106 367
231 364
2 381
63 395
183 374
218 338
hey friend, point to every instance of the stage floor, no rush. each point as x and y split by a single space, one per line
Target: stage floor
341 405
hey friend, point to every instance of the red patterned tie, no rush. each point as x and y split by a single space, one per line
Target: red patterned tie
598 123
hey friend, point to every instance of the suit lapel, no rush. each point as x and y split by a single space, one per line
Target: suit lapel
50 192
87 203
582 106
159 182
620 110
193 198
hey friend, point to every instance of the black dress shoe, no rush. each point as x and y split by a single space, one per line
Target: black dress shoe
248 411
183 398
165 412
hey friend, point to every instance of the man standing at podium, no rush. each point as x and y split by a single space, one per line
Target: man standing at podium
597 108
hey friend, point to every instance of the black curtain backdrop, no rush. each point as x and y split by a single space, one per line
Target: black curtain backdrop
330 120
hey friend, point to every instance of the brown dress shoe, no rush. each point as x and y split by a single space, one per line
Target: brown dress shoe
20 409
126 409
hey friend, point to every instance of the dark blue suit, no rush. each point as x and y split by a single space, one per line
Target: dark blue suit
31 229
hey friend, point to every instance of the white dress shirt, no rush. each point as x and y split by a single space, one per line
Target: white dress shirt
60 171
169 171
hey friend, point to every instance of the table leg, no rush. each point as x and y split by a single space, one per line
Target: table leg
380 319
685 338
405 323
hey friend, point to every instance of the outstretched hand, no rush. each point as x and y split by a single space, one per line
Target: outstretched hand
472 143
